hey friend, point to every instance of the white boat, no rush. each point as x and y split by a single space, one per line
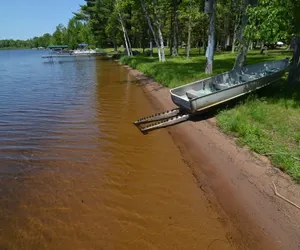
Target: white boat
84 52
224 87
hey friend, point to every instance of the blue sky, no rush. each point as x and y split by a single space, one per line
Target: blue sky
20 19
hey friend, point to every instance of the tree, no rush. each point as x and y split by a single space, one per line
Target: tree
269 21
157 33
120 9
241 38
211 10
74 32
174 28
59 35
275 20
189 15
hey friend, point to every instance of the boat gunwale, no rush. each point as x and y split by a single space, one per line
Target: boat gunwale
231 98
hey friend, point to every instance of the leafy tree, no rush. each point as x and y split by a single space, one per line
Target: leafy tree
189 15
269 21
60 35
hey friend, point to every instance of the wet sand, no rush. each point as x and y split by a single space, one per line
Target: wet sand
98 183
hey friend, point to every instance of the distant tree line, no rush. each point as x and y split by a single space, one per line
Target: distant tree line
76 32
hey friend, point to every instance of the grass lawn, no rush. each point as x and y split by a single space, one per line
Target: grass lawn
177 71
267 121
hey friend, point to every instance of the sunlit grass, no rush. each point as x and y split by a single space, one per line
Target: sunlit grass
269 122
177 71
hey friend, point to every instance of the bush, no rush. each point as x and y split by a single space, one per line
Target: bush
125 60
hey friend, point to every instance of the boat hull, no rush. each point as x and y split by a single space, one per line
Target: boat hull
226 94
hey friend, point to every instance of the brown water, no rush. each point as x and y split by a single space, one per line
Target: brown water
76 174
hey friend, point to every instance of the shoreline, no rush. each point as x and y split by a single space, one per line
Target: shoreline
236 181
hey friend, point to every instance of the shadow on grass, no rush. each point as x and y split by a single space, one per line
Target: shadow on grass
283 93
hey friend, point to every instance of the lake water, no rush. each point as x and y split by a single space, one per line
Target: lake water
75 173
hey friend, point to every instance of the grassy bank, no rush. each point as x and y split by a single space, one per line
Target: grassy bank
267 121
177 71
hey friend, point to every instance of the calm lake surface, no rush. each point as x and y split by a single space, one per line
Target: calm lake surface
76 174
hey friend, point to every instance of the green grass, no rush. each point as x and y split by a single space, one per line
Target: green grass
267 121
177 71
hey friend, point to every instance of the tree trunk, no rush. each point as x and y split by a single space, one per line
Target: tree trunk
234 38
159 54
160 35
171 34
188 48
128 41
227 43
262 48
115 45
243 43
175 26
241 57
152 30
127 44
294 74
254 45
250 45
161 39
199 48
143 40
143 45
151 48
211 39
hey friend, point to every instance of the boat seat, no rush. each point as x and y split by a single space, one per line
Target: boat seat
272 70
220 86
248 77
191 94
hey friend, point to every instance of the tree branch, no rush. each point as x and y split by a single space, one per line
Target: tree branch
282 197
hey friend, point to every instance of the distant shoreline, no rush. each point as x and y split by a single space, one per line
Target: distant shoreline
17 48
13 48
